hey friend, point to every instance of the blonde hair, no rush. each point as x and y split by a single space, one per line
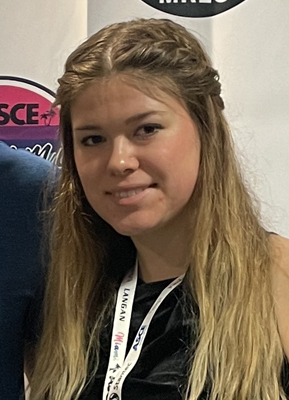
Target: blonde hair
238 352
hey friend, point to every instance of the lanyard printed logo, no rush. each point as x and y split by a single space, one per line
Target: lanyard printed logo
120 366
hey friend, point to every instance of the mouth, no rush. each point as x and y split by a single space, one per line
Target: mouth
122 194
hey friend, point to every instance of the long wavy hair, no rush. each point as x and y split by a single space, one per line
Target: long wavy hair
238 352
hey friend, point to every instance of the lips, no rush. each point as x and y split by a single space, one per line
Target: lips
128 192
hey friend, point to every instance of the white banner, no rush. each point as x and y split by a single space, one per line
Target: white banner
36 36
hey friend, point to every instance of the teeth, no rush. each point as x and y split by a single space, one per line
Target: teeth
128 193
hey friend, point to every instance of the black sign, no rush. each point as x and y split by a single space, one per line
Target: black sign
193 8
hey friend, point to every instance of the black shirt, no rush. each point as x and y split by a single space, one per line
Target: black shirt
162 369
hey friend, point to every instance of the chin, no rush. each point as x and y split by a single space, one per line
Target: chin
129 229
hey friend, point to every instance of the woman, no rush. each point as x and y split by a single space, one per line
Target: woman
149 174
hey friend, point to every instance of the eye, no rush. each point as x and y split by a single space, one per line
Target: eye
148 130
92 140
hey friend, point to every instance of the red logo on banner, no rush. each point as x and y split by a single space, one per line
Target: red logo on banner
193 8
27 119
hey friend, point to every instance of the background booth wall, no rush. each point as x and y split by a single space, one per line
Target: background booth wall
36 36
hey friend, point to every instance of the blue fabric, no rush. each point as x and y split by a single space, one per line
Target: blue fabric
22 175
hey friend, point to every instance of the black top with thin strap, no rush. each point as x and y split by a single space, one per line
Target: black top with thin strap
161 371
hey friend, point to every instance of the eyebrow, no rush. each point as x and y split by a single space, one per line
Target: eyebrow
139 117
87 127
130 120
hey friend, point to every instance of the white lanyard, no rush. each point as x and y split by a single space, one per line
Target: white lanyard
120 366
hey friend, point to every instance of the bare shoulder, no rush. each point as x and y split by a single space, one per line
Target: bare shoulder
280 253
280 285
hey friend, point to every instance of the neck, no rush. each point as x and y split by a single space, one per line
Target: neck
162 256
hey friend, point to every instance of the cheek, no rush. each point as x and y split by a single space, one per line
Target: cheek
86 164
185 156
88 172
185 182
186 168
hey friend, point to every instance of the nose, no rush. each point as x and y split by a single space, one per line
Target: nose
123 159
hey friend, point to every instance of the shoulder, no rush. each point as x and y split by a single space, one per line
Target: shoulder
279 247
23 177
280 250
16 164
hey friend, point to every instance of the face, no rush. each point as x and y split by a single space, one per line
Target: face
137 156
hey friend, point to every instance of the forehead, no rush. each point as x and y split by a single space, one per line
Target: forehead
124 95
